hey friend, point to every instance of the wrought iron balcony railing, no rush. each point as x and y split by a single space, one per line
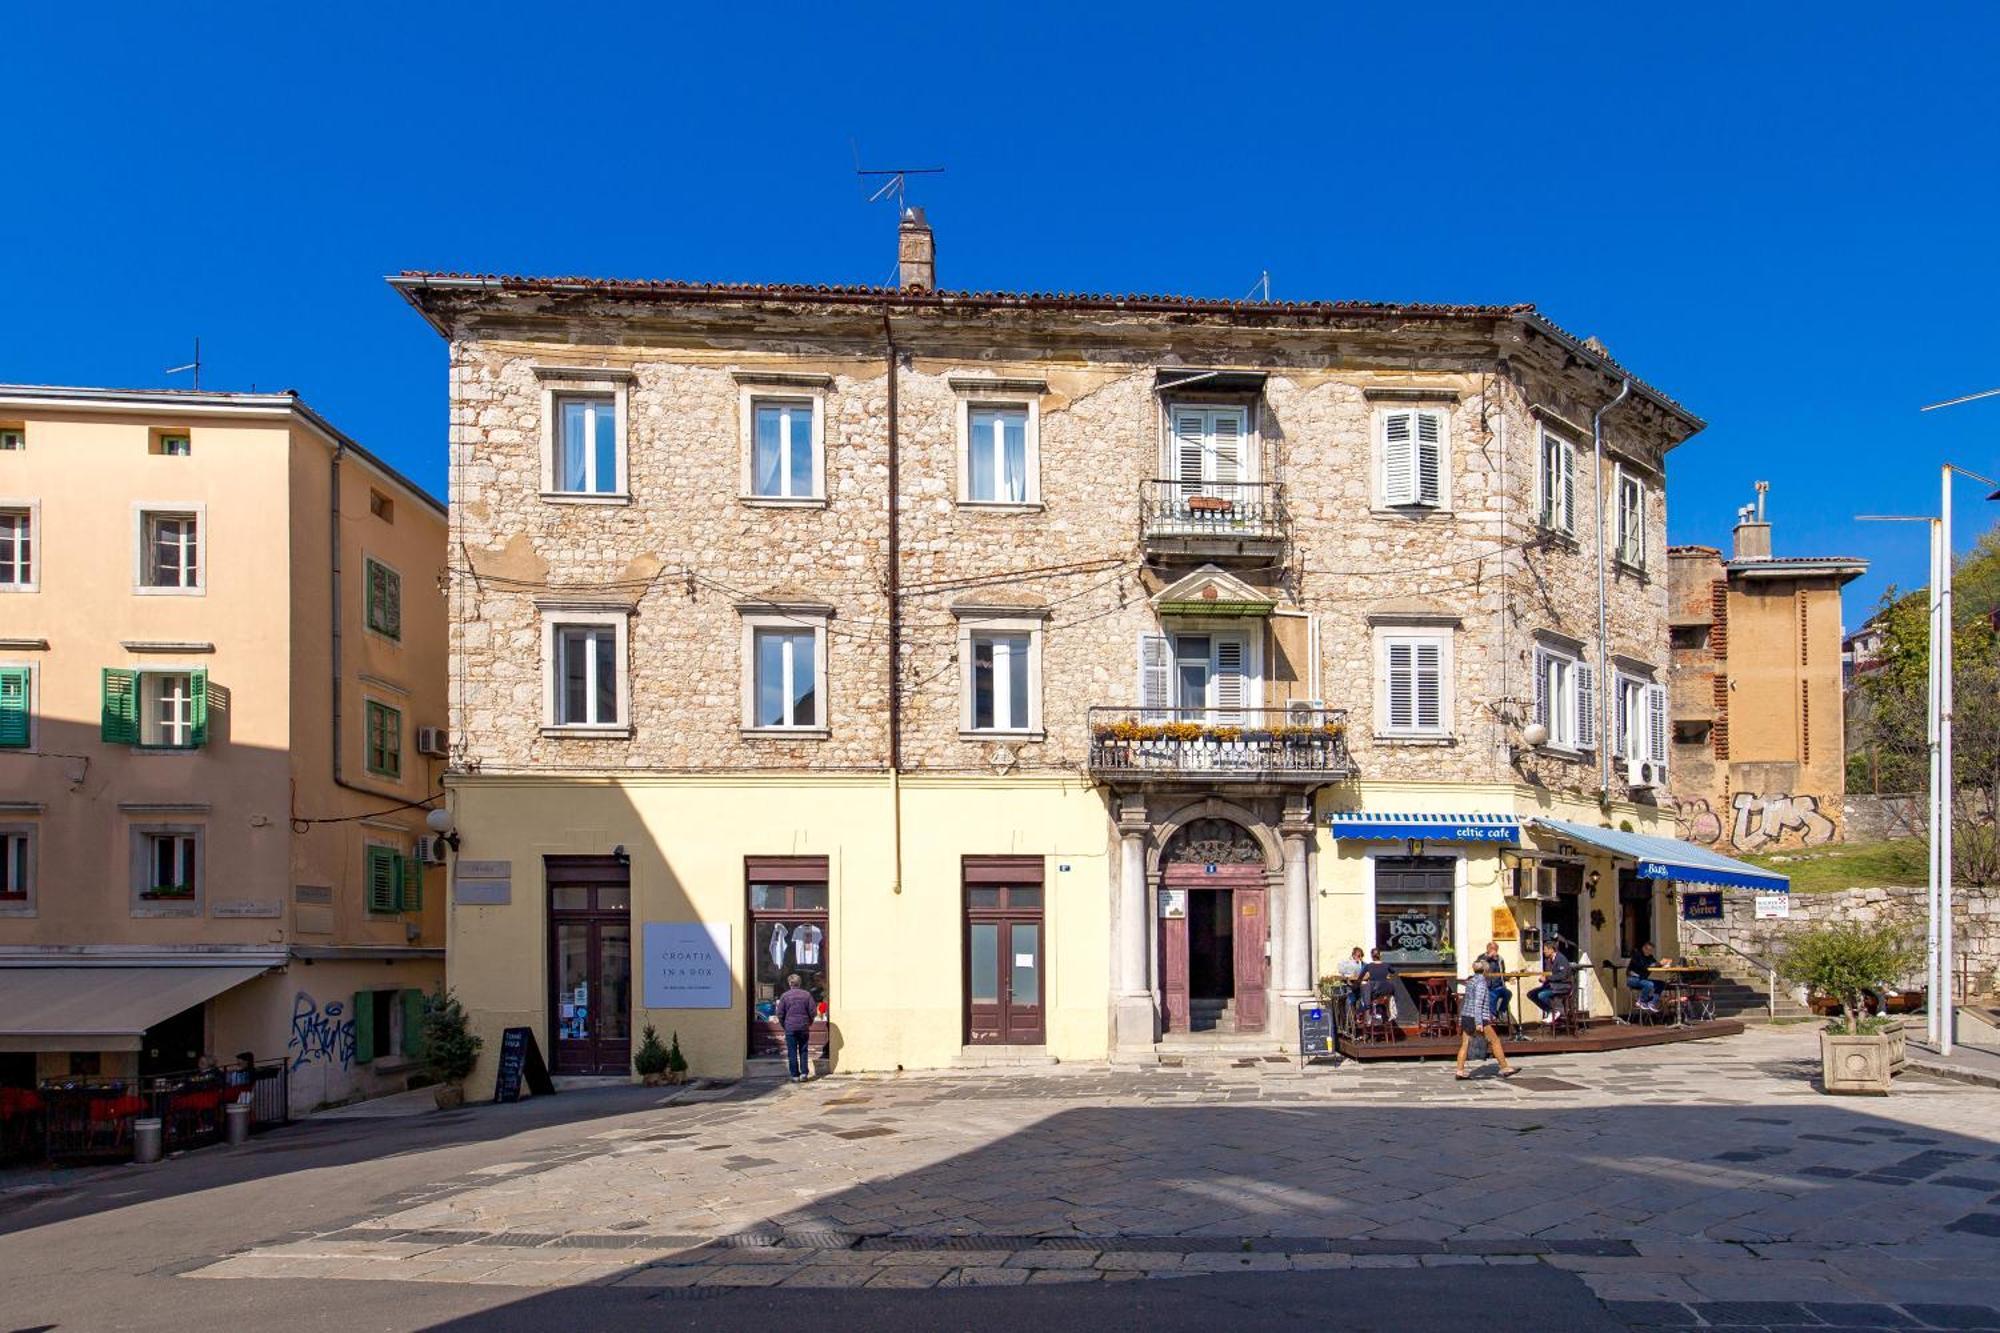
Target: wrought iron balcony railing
1242 512
1298 744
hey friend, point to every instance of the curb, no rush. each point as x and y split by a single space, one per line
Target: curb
1956 1073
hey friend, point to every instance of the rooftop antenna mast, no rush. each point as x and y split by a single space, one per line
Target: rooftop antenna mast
194 365
1261 289
895 181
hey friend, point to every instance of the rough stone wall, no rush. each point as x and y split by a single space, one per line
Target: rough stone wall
686 550
1975 925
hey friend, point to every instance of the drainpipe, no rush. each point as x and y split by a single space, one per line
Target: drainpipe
1602 692
895 620
333 565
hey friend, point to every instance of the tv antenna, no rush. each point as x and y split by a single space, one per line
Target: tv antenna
1261 289
895 180
194 365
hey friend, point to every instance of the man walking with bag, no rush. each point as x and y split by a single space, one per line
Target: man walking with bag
1475 1019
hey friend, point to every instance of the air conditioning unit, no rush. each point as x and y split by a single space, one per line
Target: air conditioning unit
430 849
1305 713
434 741
1644 773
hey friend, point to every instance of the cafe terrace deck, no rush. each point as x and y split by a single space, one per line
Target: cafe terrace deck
1594 1034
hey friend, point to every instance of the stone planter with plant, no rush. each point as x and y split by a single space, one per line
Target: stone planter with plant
1847 960
450 1048
650 1061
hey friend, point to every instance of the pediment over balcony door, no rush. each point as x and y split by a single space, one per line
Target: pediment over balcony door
1209 591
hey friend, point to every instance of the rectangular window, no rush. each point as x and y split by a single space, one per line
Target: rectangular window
172 551
997 455
381 506
1413 672
1565 699
14 867
1631 527
1196 677
17 548
586 673
1210 457
1000 682
172 443
165 710
1413 907
14 728
782 463
170 865
385 740
786 690
12 438
586 452
1413 459
385 600
1558 478
791 934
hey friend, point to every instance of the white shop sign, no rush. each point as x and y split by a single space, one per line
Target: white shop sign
1773 906
686 964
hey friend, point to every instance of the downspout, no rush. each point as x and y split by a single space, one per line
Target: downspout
1602 690
895 622
1500 715
333 564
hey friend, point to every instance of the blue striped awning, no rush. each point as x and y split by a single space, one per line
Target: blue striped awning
1431 828
1670 858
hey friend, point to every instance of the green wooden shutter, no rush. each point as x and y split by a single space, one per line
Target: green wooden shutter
382 879
198 708
14 708
364 1026
415 1005
413 884
119 723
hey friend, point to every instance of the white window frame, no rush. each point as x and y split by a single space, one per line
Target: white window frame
749 397
1628 716
1628 545
20 435
32 511
973 401
1387 637
1176 630
26 904
971 628
1379 487
563 382
802 620
153 732
145 510
555 619
1555 513
1573 708
141 845
1249 441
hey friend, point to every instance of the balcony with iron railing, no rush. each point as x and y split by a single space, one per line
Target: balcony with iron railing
1296 746
1213 519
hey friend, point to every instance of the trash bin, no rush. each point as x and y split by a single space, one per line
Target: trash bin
236 1123
146 1140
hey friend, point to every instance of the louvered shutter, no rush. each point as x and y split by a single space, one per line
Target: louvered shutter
119 717
1189 447
1566 460
1430 687
1656 724
1399 459
1430 457
1402 687
1227 452
1542 690
410 892
415 1006
364 1026
382 886
14 708
198 708
1551 471
1586 706
1230 686
1632 521
1156 677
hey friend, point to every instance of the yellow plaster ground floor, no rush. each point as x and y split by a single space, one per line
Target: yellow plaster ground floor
897 893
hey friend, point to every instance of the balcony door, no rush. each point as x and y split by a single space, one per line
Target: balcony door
1211 450
1212 677
590 965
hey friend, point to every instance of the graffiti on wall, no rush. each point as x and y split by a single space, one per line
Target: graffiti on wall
1695 822
320 1033
1764 820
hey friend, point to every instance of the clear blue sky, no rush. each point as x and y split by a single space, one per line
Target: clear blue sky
1785 217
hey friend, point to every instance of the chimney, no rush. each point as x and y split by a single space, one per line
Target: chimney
1753 532
916 252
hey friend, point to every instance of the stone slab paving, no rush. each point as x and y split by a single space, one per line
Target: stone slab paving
1706 1184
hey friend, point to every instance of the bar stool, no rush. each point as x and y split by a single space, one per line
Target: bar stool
1565 1015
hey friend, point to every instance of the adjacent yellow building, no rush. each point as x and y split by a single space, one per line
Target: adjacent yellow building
221 713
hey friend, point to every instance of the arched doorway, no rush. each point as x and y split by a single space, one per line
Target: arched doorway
1214 925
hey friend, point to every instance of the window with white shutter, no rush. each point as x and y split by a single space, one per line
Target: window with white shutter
1565 699
1586 706
1211 450
1413 458
1228 683
1558 478
1656 725
1631 520
1413 687
1156 677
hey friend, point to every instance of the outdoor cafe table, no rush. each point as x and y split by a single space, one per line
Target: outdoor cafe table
1676 979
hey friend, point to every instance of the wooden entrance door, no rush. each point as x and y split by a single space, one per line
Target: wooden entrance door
1237 890
1252 930
590 965
1005 980
790 935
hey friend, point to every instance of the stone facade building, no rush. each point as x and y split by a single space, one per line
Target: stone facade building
1003 662
1759 717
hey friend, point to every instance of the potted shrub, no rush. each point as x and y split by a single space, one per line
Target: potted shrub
677 1065
1846 961
650 1060
450 1048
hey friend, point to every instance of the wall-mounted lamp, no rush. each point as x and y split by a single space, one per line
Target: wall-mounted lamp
621 856
1592 880
1534 735
440 822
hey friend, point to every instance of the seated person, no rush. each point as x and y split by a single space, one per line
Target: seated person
1377 980
1351 966
1496 979
1639 976
1558 980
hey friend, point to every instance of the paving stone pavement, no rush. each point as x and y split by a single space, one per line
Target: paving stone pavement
1698 1185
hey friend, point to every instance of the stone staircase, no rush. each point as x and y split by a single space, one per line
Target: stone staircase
1742 989
1212 1015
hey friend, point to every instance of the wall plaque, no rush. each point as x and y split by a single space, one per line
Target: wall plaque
241 907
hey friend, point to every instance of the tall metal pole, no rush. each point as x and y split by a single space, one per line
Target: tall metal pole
1932 1022
1948 1018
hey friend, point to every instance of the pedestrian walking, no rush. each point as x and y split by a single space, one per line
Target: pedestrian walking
795 1011
1475 1019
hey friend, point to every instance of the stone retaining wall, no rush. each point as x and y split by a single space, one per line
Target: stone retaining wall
1975 916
